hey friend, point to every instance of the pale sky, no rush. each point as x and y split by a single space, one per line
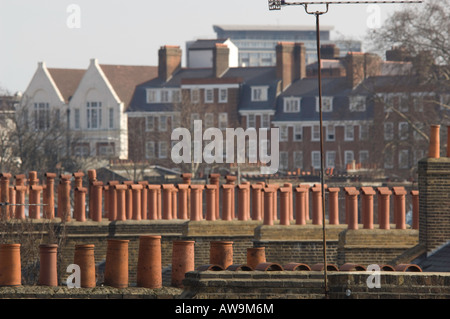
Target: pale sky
130 32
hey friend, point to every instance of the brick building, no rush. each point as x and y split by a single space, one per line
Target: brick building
375 112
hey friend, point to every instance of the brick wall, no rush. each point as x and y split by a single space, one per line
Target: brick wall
434 188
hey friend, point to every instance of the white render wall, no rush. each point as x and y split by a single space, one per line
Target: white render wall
94 87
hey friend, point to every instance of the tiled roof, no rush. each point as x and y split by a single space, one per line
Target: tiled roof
66 80
125 78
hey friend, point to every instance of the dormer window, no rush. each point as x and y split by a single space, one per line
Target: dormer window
291 105
357 103
327 104
259 93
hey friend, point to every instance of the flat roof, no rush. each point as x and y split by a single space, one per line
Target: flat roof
242 27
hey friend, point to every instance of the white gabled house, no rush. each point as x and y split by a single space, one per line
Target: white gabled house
91 101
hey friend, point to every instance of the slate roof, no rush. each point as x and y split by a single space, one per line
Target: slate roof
246 77
438 262
307 89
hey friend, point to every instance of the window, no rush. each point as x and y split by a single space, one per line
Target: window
105 149
315 135
291 105
251 120
357 103
364 157
223 121
349 157
195 95
94 115
41 116
77 119
194 117
162 149
149 123
259 93
298 159
403 130
388 131
163 123
327 104
163 95
315 159
284 133
223 95
331 133
364 132
209 120
403 159
150 150
419 127
81 150
265 121
389 158
349 132
298 132
152 96
284 160
111 118
418 102
209 95
331 159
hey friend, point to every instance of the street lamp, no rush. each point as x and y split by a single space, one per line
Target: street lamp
277 5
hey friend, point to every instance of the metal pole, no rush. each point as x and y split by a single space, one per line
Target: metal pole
322 162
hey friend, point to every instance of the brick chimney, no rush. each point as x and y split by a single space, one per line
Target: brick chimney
299 61
169 61
291 62
329 51
360 66
221 55
398 54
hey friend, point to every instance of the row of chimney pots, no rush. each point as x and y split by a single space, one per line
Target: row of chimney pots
149 267
137 201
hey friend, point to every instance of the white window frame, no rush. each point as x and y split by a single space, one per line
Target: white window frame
209 120
162 123
195 95
223 121
357 103
223 95
149 123
327 104
403 133
209 95
284 133
315 132
330 159
298 132
284 160
94 123
347 156
259 93
388 126
265 120
349 132
403 163
331 133
364 157
315 159
291 104
298 159
150 150
364 132
162 149
251 120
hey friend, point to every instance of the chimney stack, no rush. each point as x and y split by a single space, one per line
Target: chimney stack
360 66
169 61
329 51
291 62
221 55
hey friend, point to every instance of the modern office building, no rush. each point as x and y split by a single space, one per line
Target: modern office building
256 43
